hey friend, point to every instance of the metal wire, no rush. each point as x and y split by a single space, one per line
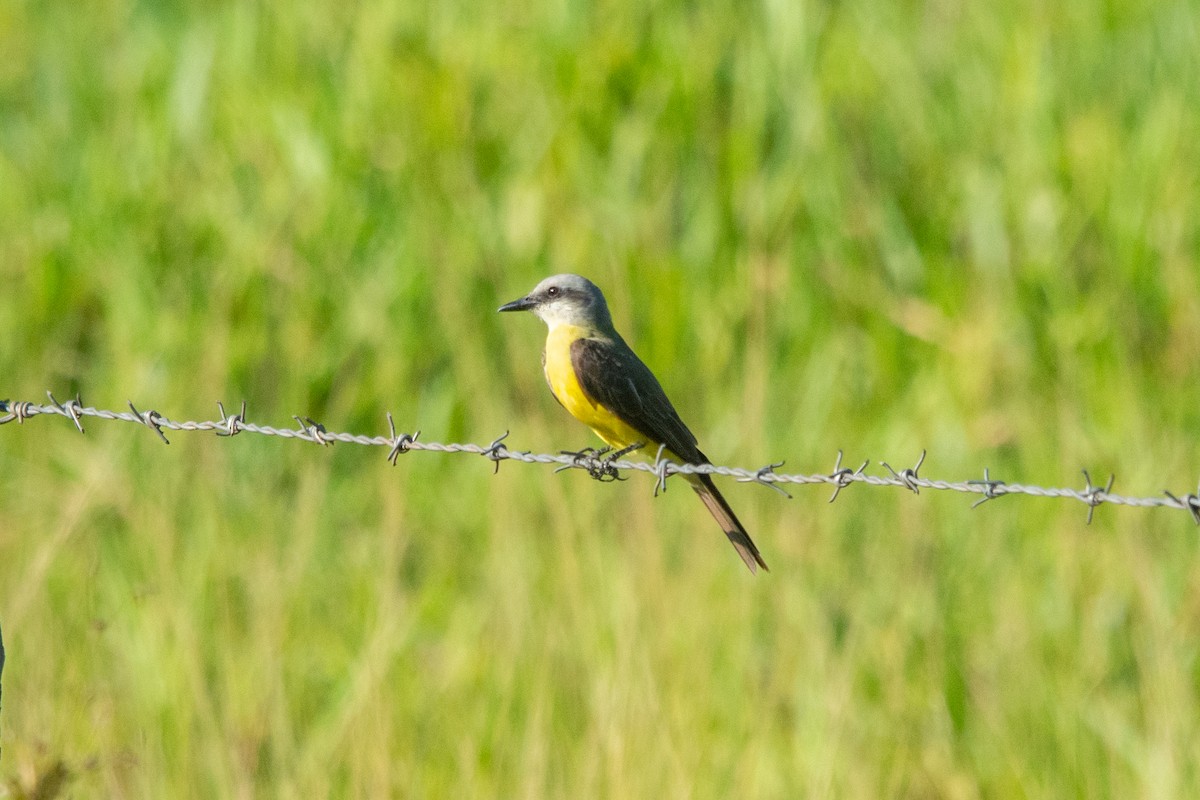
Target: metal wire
601 464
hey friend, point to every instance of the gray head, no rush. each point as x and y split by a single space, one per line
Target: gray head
566 300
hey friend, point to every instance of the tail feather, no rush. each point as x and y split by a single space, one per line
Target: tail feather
728 521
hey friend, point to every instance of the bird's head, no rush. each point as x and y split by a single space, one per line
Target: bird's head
566 300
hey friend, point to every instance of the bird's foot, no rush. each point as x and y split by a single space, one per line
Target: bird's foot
599 462
590 459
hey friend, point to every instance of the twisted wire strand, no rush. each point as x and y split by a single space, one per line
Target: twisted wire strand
599 463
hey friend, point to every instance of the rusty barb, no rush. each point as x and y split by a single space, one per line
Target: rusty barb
601 464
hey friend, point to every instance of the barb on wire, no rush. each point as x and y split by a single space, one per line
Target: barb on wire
603 465
1094 495
908 477
233 424
1190 501
400 444
991 489
762 477
150 420
495 451
312 431
841 477
661 467
71 409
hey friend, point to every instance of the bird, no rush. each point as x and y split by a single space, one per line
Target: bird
598 378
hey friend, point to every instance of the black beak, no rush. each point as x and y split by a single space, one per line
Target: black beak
524 304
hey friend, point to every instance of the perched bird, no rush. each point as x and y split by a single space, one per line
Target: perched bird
599 379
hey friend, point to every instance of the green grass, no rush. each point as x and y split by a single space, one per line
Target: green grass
877 226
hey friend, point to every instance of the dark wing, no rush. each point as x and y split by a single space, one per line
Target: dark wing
613 376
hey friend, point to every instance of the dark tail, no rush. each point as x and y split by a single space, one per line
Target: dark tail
728 521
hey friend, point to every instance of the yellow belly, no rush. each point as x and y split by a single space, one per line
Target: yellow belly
560 374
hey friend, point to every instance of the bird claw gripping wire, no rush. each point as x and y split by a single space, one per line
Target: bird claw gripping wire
991 488
232 426
908 477
601 467
400 444
598 463
496 451
150 420
763 475
841 477
1094 495
587 459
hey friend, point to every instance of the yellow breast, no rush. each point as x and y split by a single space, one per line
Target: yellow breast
560 374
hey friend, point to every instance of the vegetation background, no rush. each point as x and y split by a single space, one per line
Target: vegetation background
877 225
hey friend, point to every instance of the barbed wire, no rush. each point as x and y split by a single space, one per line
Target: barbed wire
603 464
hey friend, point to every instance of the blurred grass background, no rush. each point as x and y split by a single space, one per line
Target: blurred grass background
874 225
